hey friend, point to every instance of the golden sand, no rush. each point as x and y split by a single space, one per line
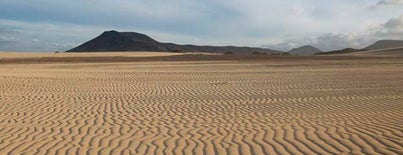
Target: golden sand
203 107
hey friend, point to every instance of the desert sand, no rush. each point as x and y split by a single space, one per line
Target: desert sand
19 55
392 52
318 105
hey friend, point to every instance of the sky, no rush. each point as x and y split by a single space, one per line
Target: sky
58 25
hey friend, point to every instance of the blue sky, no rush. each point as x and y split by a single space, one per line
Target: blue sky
49 25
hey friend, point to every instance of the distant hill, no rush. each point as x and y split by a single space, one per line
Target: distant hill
385 44
379 48
305 50
396 52
343 51
132 41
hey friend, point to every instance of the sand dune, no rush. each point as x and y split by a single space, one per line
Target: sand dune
203 107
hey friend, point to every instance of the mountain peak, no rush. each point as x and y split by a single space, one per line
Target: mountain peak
130 35
132 41
111 31
305 50
308 46
119 41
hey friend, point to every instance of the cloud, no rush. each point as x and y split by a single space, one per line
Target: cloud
224 22
391 29
47 37
386 4
335 41
389 2
28 36
326 42
179 16
6 36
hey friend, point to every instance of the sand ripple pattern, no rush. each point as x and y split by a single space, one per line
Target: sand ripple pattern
201 108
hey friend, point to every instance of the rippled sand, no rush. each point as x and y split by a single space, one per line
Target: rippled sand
203 107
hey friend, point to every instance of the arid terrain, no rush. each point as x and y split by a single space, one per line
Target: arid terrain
164 103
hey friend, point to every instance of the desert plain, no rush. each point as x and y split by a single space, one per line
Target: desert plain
159 103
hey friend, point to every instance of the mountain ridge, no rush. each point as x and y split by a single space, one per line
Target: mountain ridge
381 47
305 50
133 41
385 44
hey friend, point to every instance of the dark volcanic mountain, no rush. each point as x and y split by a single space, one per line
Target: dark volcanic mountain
131 41
305 50
119 41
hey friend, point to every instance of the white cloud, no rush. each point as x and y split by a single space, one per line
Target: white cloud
391 29
386 4
29 36
389 2
327 42
224 22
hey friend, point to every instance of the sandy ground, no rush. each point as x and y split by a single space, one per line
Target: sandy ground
19 55
394 52
302 106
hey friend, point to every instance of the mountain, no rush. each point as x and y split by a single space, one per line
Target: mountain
343 51
119 41
385 44
379 48
305 50
132 41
